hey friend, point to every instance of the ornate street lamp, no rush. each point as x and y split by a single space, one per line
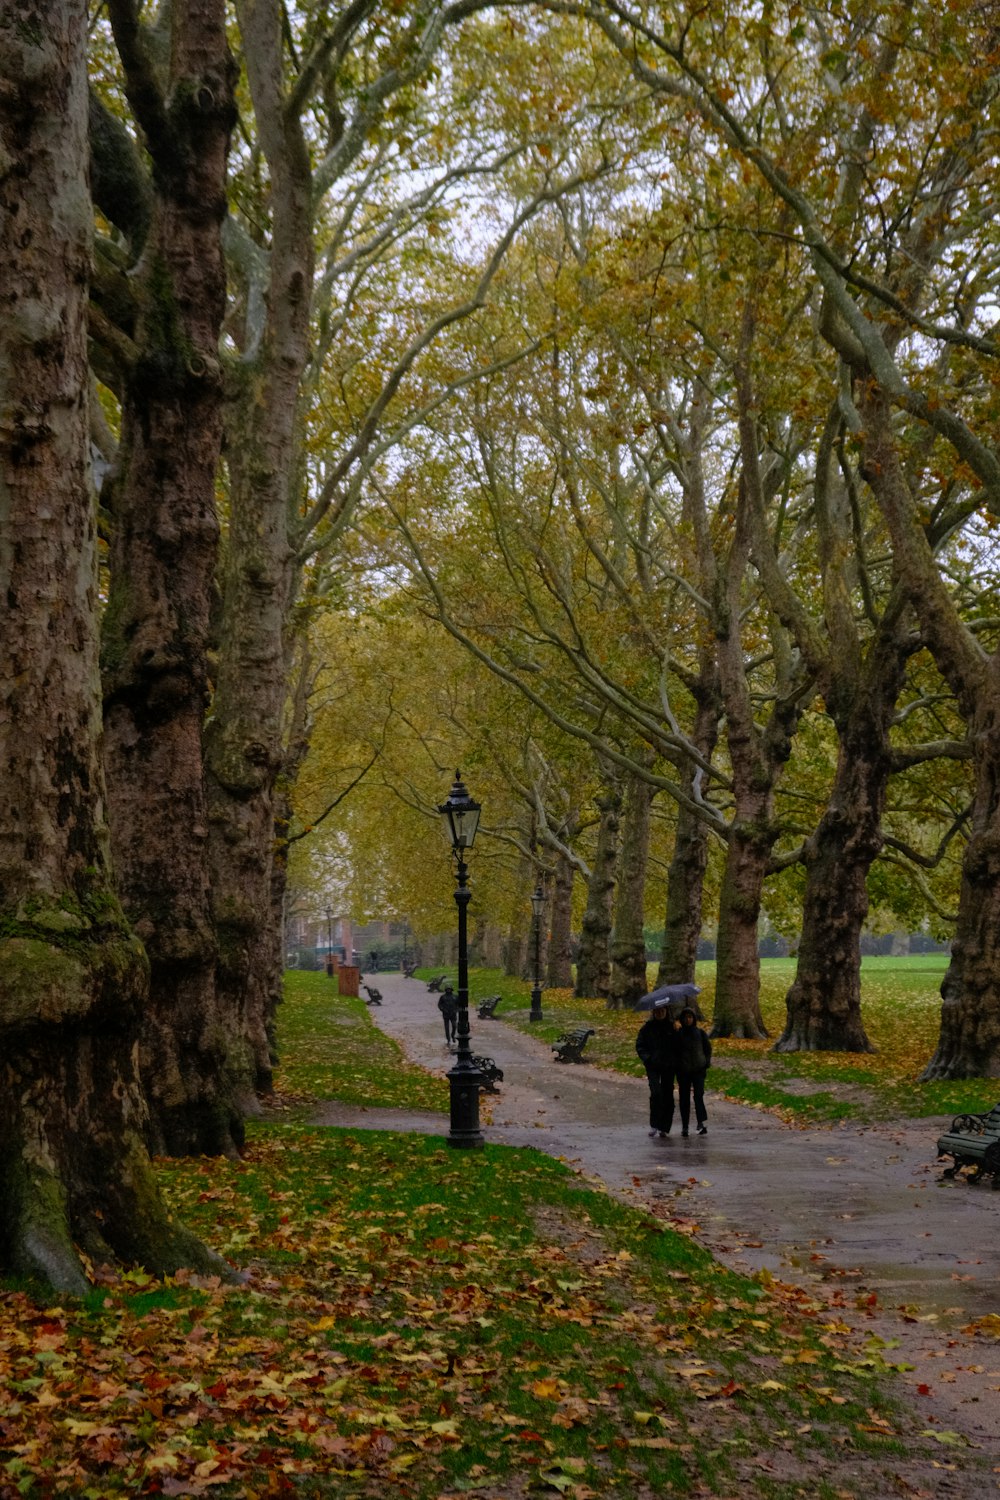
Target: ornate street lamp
537 907
461 819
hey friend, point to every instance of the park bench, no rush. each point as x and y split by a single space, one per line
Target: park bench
489 1074
409 970
974 1141
374 995
569 1047
434 985
488 1006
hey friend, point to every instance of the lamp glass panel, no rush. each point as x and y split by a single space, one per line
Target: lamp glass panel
466 821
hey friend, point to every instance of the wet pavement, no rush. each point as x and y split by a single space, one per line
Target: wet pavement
858 1214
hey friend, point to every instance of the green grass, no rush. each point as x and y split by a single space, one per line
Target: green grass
426 1323
901 1009
329 1050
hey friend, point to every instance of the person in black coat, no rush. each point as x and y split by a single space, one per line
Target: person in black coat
448 1006
655 1045
693 1054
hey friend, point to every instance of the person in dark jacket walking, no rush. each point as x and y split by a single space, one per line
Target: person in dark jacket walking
693 1057
448 1006
655 1045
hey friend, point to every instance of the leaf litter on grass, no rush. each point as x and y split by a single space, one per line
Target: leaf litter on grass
425 1321
428 1323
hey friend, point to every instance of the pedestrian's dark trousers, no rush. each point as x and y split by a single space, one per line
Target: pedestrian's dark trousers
450 1028
661 1097
688 1084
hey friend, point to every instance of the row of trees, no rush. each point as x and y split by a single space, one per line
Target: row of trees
647 356
224 264
739 505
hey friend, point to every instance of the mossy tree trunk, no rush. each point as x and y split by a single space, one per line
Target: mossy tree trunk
73 979
593 965
628 945
164 543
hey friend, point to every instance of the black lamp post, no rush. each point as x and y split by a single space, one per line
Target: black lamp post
537 907
329 942
461 819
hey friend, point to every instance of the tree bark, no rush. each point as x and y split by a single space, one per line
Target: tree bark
686 876
969 1039
163 551
757 757
559 974
823 1005
73 978
244 740
628 944
593 965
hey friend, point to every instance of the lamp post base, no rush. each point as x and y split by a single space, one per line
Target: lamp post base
536 1005
464 1133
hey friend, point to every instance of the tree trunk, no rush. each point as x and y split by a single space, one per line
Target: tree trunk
969 1040
244 741
756 756
560 957
824 1003
628 944
161 496
686 876
515 953
492 945
298 747
737 982
685 894
73 1164
593 965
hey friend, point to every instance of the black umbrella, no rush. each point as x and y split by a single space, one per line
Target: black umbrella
677 996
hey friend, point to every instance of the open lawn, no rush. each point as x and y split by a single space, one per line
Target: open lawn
427 1323
901 1007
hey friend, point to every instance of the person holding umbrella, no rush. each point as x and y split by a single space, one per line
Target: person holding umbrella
656 1046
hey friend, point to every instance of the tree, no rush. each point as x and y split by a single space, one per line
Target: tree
342 291
628 944
158 312
896 265
73 978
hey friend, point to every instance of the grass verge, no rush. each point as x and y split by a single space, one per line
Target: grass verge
431 1323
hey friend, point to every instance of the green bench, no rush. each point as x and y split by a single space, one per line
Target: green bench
973 1141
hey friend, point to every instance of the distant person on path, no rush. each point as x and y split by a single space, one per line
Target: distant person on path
374 960
656 1046
448 1006
694 1056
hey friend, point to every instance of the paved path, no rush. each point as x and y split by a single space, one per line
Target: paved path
859 1214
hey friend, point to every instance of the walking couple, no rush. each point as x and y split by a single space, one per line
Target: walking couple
672 1048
